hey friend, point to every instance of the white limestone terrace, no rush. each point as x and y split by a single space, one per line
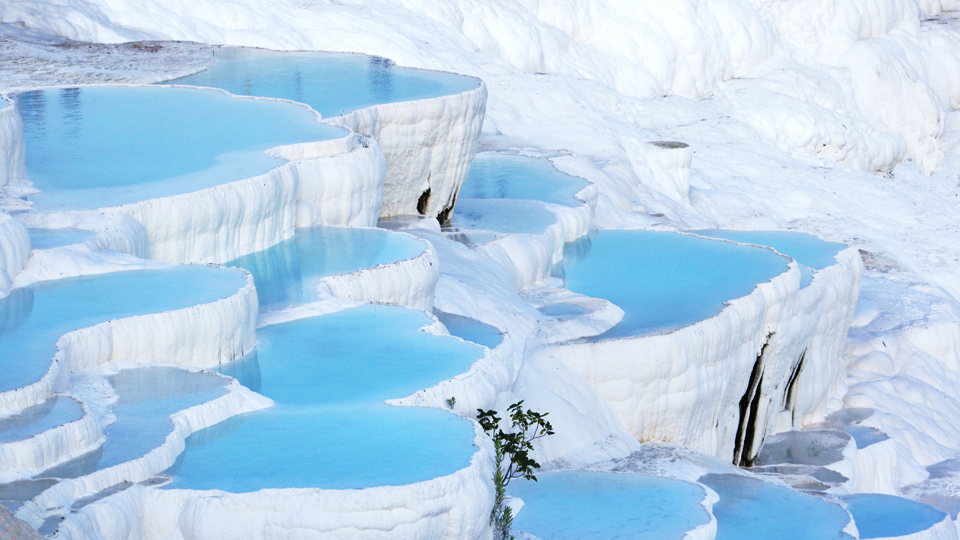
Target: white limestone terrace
426 122
760 63
208 184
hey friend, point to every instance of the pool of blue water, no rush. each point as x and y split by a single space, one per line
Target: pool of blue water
54 412
147 398
333 84
661 280
508 216
498 176
751 508
810 252
51 238
865 436
576 505
882 516
95 147
288 273
470 329
329 427
33 318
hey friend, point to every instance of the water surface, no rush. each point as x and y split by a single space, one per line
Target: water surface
33 318
577 505
810 252
882 516
751 508
498 176
101 146
661 280
289 272
331 83
329 427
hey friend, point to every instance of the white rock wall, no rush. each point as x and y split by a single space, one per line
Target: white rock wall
428 144
237 400
410 283
200 335
685 386
13 157
27 457
14 251
452 507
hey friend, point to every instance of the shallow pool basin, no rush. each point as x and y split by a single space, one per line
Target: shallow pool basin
810 252
101 146
578 505
146 399
751 508
33 318
887 516
662 280
506 216
499 176
288 273
329 427
331 83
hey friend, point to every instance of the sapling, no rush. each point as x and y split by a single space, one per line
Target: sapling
513 449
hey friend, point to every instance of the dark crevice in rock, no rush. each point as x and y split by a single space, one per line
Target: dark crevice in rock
790 395
743 451
423 202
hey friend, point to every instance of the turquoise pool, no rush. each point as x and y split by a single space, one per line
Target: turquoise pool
662 280
577 505
331 83
33 318
288 273
101 146
751 508
498 176
329 427
810 252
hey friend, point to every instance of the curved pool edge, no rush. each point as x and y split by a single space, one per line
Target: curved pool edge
25 458
411 283
237 400
433 508
427 161
773 327
202 334
335 182
13 150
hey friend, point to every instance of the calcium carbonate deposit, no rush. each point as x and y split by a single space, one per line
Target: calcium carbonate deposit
264 264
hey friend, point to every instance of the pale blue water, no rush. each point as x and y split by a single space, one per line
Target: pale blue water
329 427
661 280
810 252
96 147
576 505
51 238
289 272
147 398
497 176
54 412
753 509
331 83
470 329
865 436
882 516
506 216
33 318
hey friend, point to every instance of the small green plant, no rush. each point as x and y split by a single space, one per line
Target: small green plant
513 449
451 401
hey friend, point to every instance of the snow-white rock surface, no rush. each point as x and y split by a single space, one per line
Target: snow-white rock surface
686 386
788 107
12 150
14 251
428 144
